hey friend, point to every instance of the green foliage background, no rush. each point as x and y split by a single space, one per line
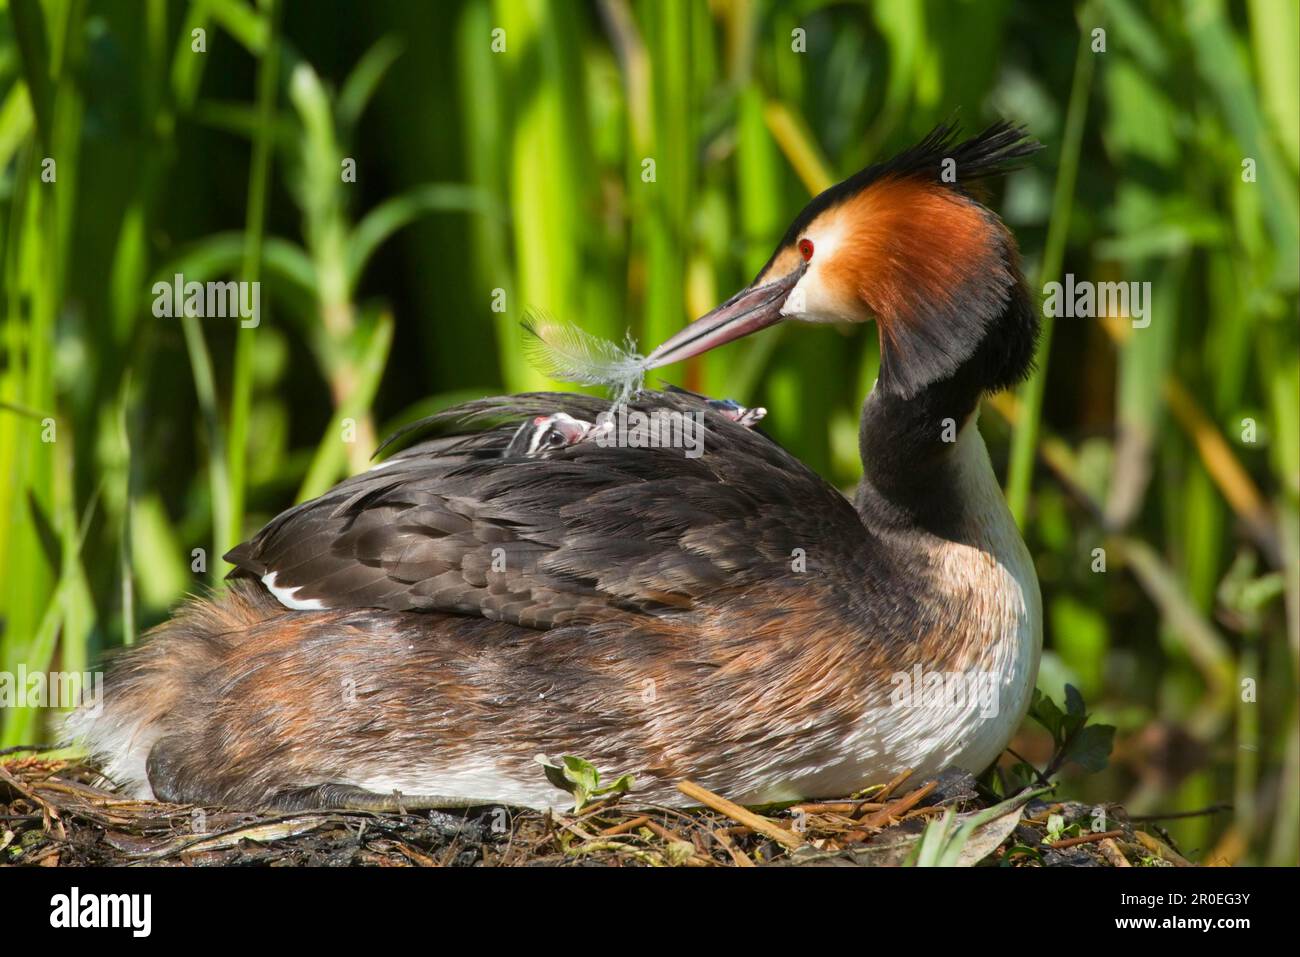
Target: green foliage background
522 171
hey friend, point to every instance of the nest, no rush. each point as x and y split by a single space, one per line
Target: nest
53 813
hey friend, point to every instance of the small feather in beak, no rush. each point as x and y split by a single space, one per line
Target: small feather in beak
563 351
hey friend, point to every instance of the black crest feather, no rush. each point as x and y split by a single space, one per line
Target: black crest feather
999 149
988 317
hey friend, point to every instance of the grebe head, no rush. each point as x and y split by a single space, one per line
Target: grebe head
904 243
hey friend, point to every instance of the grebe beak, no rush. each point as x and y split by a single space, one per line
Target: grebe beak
754 307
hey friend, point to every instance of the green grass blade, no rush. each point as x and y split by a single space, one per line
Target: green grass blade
332 453
241 389
1024 443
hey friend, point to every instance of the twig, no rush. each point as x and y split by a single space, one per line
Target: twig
47 807
17 748
1084 839
1171 815
417 857
899 807
1110 850
889 788
741 858
664 833
1033 767
626 826
851 808
1161 849
737 813
595 807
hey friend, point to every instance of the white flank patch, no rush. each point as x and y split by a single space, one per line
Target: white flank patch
478 779
122 741
285 596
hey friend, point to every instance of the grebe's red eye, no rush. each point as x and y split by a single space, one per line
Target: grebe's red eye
806 249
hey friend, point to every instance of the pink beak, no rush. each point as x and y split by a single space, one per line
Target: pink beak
751 309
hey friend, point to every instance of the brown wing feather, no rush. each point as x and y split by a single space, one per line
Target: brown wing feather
585 533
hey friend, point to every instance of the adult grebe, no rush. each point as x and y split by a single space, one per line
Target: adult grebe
493 593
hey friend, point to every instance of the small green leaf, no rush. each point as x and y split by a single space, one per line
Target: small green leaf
1046 713
621 786
554 773
584 776
1074 705
1055 825
580 778
1091 747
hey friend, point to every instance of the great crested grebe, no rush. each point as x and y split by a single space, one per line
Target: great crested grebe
516 586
